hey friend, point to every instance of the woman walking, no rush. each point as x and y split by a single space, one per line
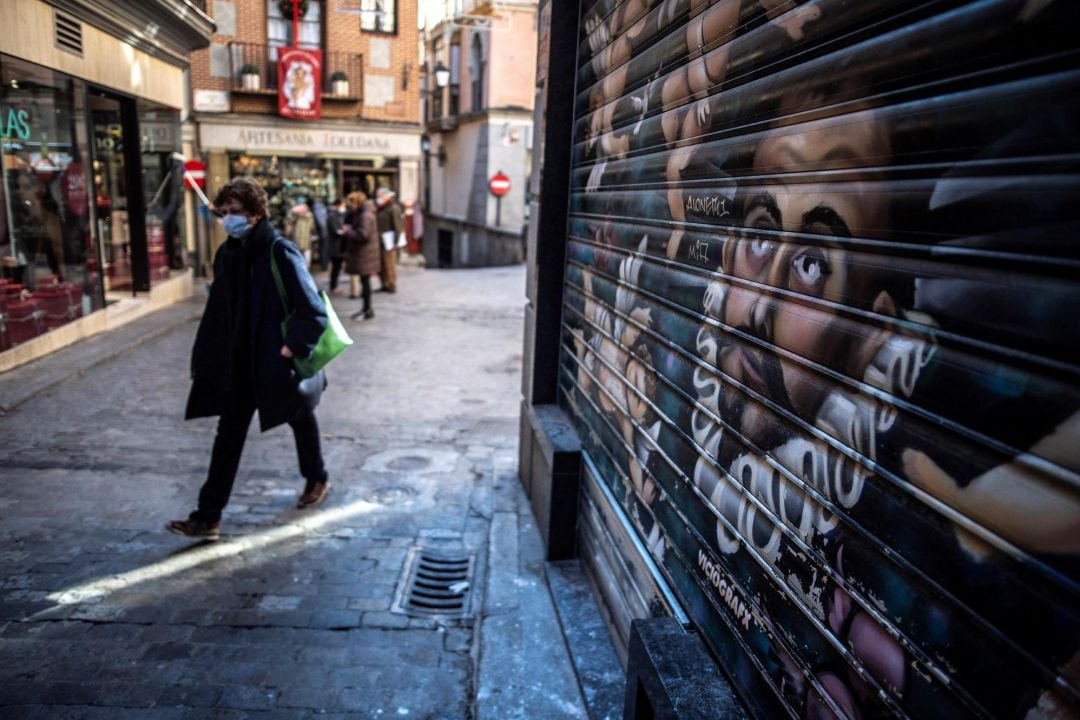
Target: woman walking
362 253
241 363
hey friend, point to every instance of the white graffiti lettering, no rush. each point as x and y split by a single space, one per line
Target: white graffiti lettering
699 251
725 588
710 206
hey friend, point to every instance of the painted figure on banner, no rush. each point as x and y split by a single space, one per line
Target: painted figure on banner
300 86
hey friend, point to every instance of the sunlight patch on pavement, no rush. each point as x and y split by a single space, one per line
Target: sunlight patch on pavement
207 553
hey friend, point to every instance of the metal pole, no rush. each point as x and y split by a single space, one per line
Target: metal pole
296 23
498 211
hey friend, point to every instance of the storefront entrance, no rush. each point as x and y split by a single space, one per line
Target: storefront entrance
368 179
110 178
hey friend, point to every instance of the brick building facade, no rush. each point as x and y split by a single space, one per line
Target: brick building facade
368 132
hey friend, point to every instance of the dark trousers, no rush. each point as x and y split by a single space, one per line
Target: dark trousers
335 271
229 445
365 292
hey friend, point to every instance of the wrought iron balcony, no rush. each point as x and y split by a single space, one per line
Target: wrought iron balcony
261 60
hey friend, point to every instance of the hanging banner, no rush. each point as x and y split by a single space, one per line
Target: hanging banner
299 78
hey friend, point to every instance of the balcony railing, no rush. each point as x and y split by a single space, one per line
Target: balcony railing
264 59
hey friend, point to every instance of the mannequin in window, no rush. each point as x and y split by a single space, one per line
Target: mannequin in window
37 222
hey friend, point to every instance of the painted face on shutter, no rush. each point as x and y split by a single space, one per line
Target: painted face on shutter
793 269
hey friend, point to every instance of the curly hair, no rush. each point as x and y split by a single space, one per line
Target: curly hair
355 200
245 191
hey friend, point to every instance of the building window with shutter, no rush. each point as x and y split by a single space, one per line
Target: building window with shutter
279 30
379 16
476 73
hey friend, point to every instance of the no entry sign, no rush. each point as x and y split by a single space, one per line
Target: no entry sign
499 184
194 174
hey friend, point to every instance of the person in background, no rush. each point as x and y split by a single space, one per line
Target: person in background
299 225
335 242
319 211
391 224
241 362
360 232
415 228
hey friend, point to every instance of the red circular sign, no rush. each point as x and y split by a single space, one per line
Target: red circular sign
194 174
499 184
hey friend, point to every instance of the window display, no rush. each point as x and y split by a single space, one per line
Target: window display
288 181
49 270
163 187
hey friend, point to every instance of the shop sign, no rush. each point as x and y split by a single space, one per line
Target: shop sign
304 140
299 75
158 136
16 123
211 101
109 138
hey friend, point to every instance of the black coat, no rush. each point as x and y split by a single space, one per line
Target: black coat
274 382
335 245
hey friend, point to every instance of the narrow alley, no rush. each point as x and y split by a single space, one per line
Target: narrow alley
104 614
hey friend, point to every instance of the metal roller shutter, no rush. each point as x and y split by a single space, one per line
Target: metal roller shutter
821 333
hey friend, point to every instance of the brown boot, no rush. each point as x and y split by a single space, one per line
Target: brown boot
193 527
314 493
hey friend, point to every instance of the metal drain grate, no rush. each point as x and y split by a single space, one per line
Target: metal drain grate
435 584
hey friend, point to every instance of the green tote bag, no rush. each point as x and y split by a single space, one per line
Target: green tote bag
331 343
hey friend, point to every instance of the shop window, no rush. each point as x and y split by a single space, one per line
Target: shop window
378 16
49 270
288 182
163 188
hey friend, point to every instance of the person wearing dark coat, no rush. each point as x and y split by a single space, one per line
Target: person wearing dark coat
241 363
335 242
362 254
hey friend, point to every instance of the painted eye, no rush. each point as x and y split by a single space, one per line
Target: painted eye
811 268
760 247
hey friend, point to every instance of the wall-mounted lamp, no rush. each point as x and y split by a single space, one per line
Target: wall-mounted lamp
441 155
442 75
425 144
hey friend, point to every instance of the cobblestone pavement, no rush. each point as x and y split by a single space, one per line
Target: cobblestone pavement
103 614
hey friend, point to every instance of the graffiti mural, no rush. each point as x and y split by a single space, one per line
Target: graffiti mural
822 339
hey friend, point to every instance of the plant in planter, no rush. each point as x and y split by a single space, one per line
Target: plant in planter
339 83
249 77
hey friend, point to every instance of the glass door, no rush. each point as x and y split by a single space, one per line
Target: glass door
110 190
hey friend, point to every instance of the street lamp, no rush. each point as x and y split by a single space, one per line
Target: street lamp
442 75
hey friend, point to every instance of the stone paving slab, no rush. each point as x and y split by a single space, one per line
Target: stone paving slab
103 614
